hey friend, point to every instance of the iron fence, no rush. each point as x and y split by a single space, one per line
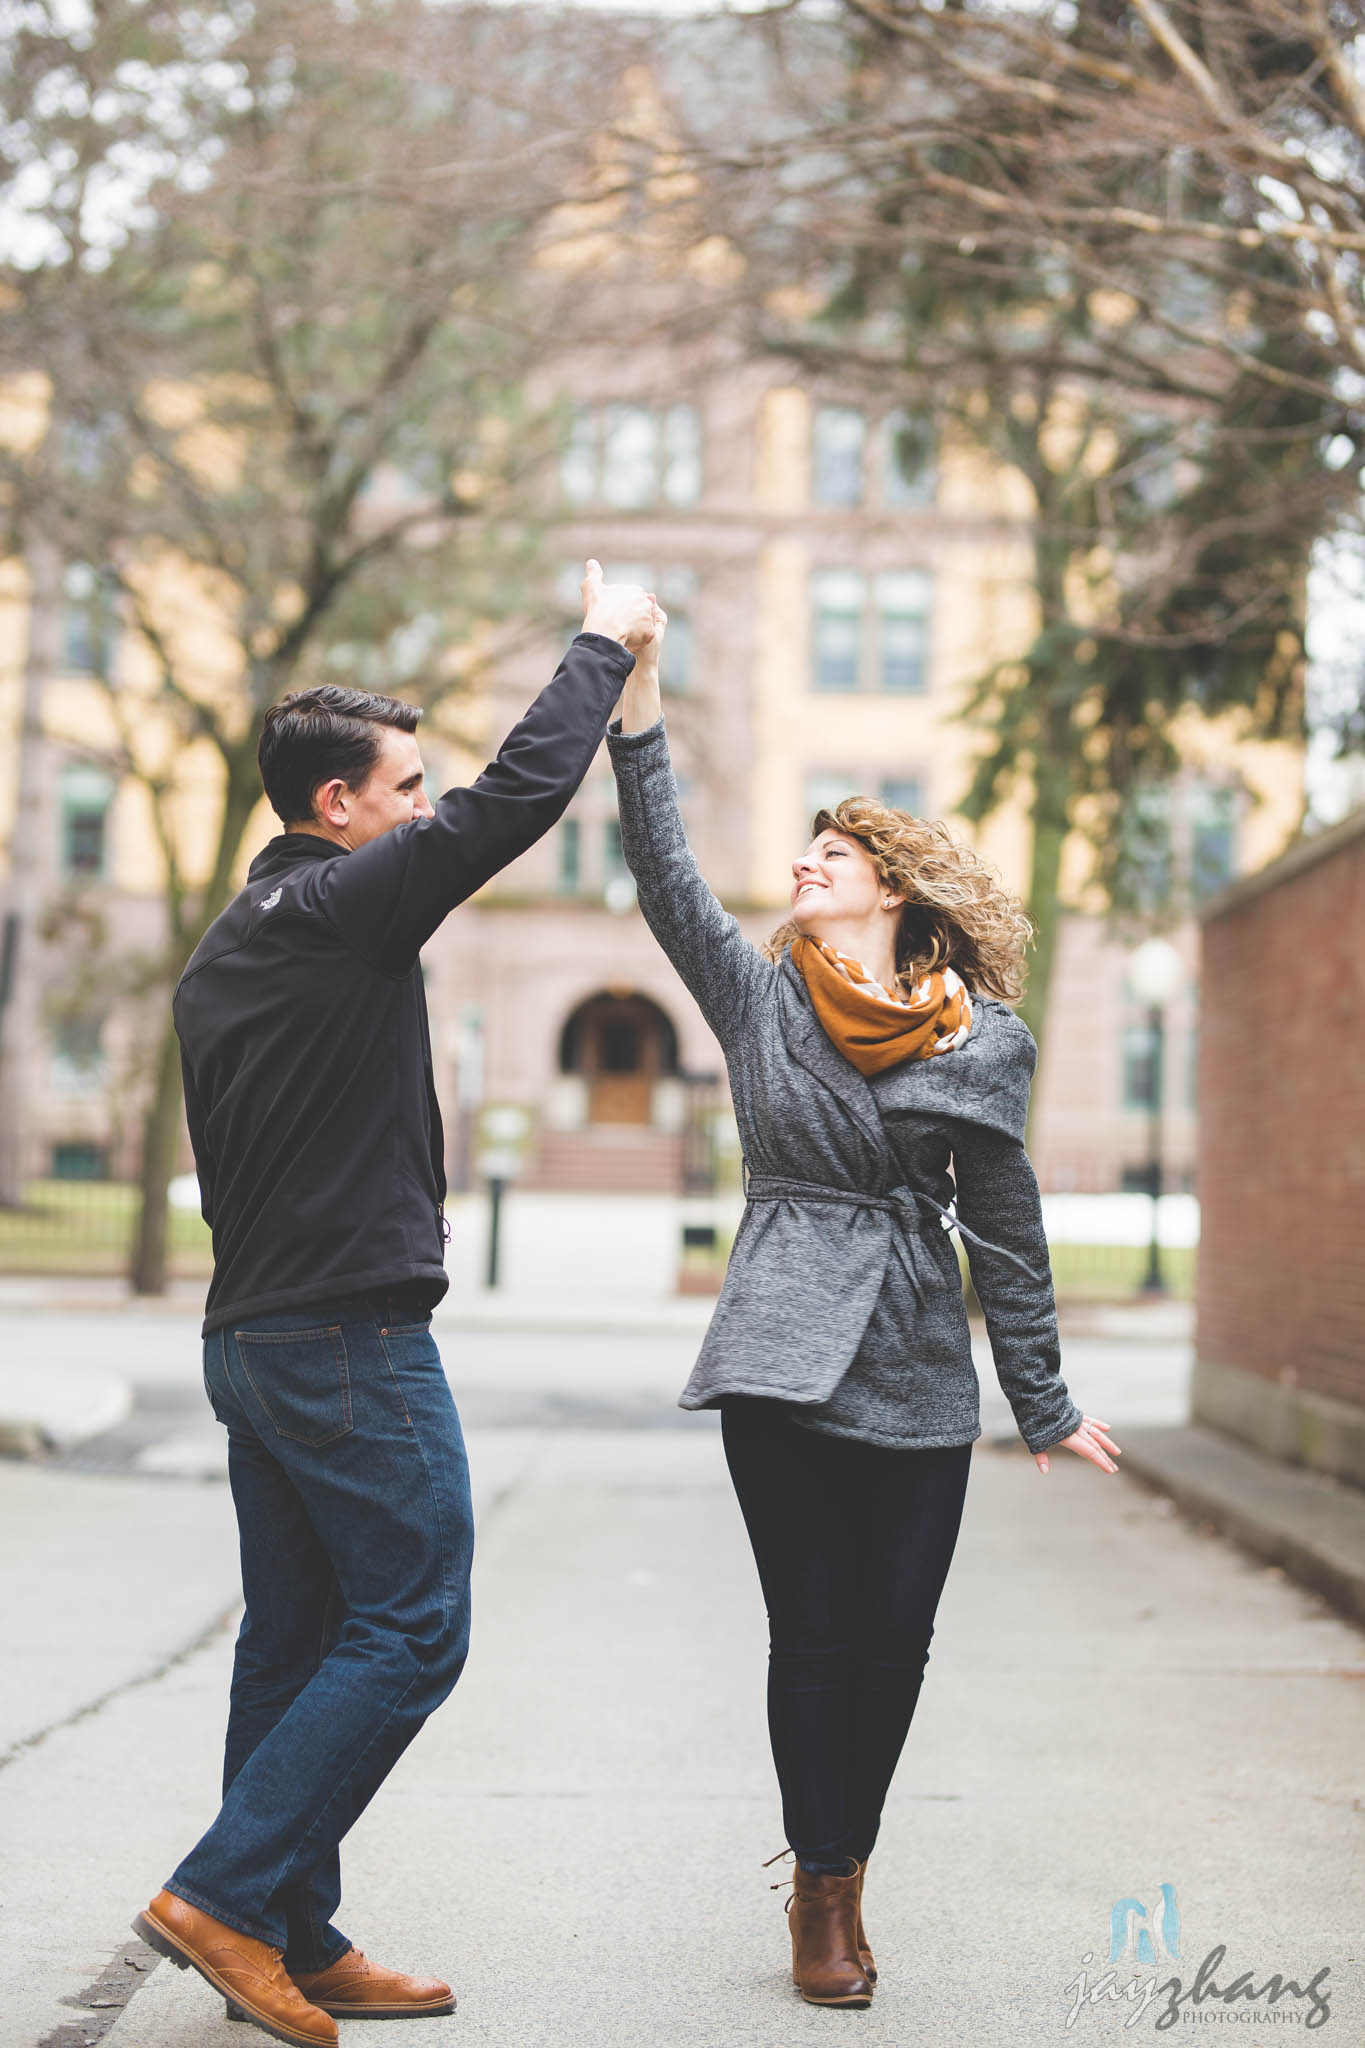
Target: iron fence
87 1226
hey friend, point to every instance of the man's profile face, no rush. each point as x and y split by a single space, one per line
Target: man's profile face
392 794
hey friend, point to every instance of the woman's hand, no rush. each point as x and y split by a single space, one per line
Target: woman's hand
641 704
1091 1440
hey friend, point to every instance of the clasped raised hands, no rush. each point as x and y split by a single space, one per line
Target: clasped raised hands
620 611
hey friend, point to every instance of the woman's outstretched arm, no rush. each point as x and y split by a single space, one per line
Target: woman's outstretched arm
998 1200
716 962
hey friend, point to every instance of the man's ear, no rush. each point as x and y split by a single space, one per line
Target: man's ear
329 802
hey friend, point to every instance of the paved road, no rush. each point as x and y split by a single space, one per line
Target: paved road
1115 1700
511 1378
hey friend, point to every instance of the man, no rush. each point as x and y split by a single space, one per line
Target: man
317 1138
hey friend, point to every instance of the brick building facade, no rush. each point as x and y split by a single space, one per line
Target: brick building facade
1281 1303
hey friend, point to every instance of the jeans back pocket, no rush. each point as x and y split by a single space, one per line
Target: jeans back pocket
301 1379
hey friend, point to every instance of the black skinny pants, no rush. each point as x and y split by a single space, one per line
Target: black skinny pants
853 1545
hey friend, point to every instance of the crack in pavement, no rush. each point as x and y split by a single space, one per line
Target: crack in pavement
491 1513
198 1642
105 2000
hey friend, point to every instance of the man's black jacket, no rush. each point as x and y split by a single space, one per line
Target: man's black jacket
303 1024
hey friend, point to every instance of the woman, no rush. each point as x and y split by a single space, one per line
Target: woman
869 1048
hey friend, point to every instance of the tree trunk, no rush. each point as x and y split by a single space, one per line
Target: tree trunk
1051 762
19 995
160 1138
1050 827
161 1127
1045 867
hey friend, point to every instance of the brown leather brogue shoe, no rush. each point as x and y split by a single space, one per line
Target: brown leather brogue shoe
356 1989
864 1952
250 1975
823 1911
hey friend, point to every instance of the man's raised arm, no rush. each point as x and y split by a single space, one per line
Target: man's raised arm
389 896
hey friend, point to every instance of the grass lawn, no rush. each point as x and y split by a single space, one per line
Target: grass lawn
1080 1272
1114 1272
86 1226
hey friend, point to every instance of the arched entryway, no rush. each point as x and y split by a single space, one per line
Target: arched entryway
620 1044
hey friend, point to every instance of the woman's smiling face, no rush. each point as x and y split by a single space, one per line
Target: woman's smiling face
835 881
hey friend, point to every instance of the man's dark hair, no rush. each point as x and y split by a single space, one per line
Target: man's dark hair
316 735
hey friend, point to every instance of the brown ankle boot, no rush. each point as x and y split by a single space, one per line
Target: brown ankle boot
824 1921
864 1952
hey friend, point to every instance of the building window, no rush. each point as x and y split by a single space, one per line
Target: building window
837 629
1141 1067
89 622
676 589
1144 856
1149 465
681 455
77 1052
86 794
903 632
676 666
1192 1068
633 456
827 790
614 867
87 447
578 463
1213 842
675 586
898 662
568 595
907 462
1178 840
903 793
80 1162
570 856
838 433
630 456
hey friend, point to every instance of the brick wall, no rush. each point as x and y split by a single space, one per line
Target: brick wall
1282 1109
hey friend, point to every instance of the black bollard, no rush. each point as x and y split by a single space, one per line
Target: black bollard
495 1188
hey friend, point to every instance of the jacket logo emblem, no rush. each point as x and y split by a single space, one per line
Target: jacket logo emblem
269 902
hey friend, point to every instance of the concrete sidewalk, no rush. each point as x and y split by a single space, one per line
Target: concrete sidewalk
121 1598
47 1407
1312 1526
516 1359
1114 1700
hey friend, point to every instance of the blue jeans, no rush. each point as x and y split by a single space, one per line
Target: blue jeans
349 1478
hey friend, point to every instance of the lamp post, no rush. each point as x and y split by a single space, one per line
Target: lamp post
1154 975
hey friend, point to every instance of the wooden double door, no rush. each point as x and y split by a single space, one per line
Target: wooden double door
621 1045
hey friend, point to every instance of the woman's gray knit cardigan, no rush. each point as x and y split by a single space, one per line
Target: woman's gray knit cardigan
843 1295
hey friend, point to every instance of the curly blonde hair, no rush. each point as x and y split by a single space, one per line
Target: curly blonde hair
957 911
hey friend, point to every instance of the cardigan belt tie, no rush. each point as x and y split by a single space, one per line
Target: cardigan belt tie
900 1203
